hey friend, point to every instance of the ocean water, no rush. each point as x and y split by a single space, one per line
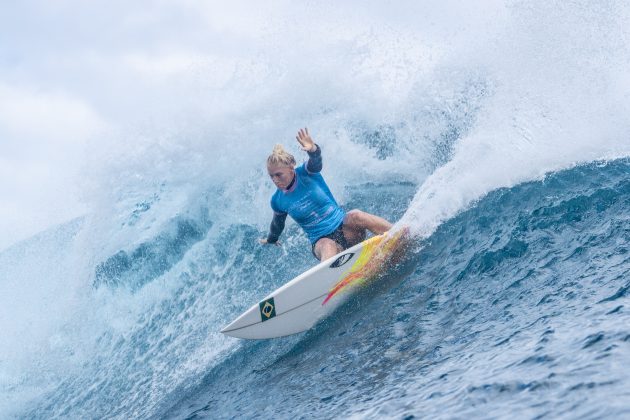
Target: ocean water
518 305
499 134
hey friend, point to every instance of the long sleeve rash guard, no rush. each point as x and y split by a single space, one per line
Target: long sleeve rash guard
309 202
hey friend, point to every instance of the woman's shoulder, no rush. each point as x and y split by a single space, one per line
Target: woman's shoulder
276 201
303 172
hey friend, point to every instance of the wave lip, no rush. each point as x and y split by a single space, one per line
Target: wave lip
152 258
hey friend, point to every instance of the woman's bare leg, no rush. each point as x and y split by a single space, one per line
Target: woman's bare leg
326 248
356 222
354 225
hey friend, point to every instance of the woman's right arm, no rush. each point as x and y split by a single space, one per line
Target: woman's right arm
276 228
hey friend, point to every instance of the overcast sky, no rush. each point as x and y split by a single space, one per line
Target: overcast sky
72 72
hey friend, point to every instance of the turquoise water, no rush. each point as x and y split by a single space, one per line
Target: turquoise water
518 305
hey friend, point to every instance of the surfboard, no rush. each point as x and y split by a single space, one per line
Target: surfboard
302 302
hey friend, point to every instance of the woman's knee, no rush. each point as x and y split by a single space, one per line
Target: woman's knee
326 246
354 217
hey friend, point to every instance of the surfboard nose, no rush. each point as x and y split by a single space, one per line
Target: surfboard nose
252 316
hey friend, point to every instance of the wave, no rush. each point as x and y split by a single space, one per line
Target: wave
503 146
516 303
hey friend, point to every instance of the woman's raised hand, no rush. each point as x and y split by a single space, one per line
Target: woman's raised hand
305 140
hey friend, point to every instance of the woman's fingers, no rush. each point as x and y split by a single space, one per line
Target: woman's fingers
304 139
303 135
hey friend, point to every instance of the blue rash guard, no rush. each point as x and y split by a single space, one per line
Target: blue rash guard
308 201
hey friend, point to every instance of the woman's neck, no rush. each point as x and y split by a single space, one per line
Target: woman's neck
292 182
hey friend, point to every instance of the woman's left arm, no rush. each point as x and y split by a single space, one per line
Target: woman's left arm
315 163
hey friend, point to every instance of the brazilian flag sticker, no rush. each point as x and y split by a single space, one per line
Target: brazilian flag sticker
267 309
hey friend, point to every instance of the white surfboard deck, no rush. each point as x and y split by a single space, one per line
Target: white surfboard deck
301 303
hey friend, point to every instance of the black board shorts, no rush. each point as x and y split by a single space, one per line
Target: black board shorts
336 235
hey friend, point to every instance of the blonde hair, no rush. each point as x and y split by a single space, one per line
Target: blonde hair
279 156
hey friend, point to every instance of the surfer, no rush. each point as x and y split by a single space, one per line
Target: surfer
303 194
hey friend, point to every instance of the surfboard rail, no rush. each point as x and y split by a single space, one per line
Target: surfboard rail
300 303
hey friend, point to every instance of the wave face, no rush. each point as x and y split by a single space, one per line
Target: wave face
517 305
498 135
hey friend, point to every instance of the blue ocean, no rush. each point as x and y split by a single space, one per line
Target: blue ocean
499 136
